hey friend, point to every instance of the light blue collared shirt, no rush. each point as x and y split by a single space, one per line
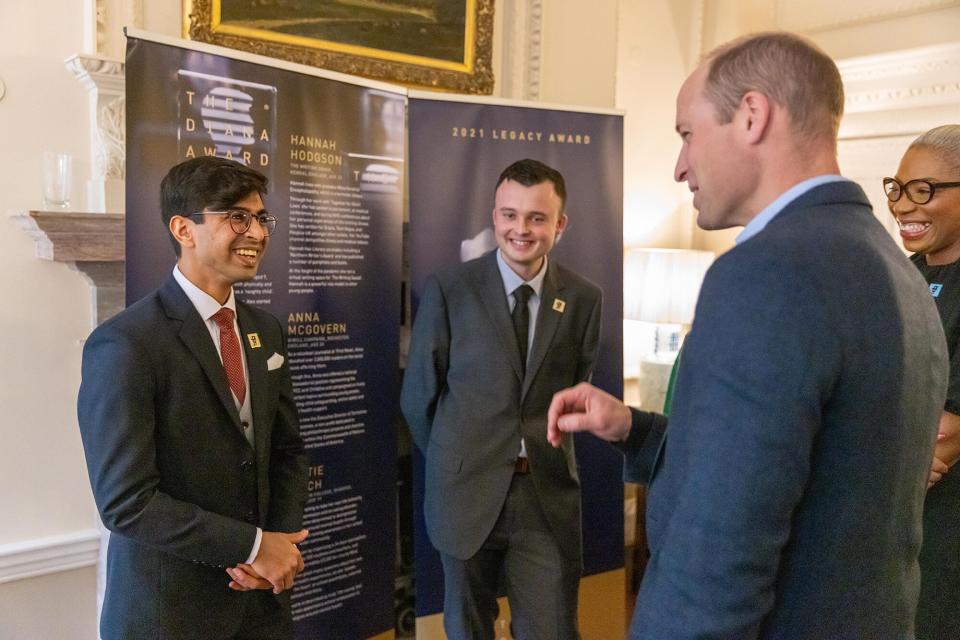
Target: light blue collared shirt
510 282
770 212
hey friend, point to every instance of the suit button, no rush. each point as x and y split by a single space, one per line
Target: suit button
250 517
246 465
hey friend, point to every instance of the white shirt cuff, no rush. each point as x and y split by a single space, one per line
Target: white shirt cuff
256 547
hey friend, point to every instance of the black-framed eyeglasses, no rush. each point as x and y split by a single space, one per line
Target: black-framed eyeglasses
918 191
240 219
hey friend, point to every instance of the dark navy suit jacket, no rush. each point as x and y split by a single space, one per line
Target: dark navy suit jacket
785 501
174 478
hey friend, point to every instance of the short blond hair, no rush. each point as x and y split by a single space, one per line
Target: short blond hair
944 141
790 70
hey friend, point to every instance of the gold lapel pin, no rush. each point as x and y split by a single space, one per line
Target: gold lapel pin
559 305
254 340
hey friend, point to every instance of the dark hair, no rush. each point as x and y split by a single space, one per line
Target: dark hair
788 69
206 182
530 172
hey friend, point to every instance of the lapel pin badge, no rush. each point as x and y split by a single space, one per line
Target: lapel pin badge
254 340
559 305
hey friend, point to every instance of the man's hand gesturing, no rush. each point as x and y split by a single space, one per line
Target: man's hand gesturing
586 408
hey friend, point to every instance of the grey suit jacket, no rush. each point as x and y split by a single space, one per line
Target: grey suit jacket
787 500
468 403
173 476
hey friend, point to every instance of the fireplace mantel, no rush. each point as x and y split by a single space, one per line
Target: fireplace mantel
91 243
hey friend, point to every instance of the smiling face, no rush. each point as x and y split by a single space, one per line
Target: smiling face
932 228
527 222
214 256
709 161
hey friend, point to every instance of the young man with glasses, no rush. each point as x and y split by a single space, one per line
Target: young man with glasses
190 431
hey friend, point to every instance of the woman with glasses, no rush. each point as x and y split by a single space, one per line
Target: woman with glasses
924 197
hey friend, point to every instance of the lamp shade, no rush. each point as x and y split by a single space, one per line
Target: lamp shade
662 285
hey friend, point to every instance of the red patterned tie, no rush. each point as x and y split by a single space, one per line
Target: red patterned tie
230 353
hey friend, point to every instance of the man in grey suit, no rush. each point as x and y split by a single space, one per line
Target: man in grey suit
785 501
190 432
493 339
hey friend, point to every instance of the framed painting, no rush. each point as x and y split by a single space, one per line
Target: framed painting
437 44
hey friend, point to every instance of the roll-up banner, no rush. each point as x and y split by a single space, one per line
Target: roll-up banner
458 146
332 147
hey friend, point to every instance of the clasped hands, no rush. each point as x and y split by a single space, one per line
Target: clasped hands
276 566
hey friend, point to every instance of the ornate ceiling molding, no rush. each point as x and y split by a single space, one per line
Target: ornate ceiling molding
901 93
821 15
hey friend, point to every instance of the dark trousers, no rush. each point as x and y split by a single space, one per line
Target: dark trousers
938 611
264 618
541 583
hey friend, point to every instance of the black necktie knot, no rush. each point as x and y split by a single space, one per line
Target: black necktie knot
522 293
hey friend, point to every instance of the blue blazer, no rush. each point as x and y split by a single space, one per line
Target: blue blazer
787 496
174 478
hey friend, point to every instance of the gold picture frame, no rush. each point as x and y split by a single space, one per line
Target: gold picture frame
437 44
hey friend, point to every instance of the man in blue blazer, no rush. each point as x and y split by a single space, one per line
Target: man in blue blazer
192 442
499 499
786 497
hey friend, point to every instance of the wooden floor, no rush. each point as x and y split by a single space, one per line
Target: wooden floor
603 614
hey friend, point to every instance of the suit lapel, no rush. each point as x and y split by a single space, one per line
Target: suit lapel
196 336
489 286
548 319
257 372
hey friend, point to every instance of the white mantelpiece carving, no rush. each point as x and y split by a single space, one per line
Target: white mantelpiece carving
104 80
519 76
111 17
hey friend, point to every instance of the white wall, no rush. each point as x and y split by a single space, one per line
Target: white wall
579 50
46 315
60 606
654 50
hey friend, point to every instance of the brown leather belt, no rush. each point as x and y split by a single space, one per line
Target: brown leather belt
521 466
